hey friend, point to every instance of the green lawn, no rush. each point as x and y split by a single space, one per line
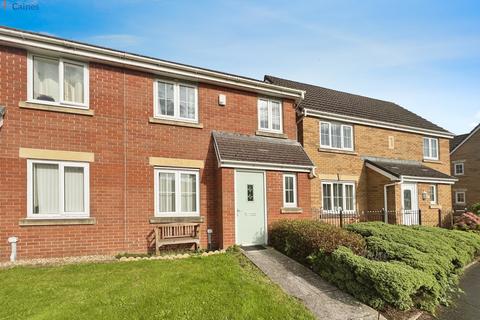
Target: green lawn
222 286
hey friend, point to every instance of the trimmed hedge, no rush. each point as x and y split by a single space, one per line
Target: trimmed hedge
380 264
300 238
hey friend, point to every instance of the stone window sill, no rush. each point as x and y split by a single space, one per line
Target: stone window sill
52 108
158 220
352 153
435 206
271 134
56 222
175 123
291 210
432 161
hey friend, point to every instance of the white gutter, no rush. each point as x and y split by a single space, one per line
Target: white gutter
39 42
265 166
379 124
429 180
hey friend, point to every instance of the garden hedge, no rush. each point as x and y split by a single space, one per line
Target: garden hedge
381 264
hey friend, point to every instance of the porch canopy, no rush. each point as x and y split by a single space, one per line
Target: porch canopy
407 171
255 152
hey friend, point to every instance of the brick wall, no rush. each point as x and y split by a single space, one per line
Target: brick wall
122 139
349 166
469 154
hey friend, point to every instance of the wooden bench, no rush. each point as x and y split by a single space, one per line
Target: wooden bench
176 233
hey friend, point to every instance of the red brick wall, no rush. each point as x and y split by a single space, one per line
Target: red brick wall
122 139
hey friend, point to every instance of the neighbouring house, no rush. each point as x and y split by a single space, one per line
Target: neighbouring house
100 146
465 155
372 155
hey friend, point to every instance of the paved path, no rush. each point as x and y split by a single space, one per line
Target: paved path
467 306
322 298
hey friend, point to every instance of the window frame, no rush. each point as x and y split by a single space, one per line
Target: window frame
269 112
176 100
294 203
464 197
344 198
455 172
435 194
61 185
429 156
61 62
178 205
342 136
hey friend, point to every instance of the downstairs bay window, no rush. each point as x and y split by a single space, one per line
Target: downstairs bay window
176 193
338 196
57 189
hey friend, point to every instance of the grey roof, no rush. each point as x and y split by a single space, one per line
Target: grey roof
457 140
352 105
400 168
239 147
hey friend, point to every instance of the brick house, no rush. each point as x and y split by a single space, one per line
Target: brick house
99 146
466 168
372 154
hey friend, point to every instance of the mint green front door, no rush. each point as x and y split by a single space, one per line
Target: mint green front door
250 201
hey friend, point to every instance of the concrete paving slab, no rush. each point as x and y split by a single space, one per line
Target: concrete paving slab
322 298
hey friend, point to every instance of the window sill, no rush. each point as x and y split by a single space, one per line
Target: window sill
158 220
53 108
432 161
271 134
176 123
56 222
291 210
435 206
353 153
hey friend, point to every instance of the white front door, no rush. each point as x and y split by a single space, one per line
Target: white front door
410 204
250 204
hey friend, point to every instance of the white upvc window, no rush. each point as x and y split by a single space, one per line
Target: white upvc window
336 136
58 189
175 100
270 116
459 168
57 81
176 192
289 190
430 148
460 197
338 196
432 190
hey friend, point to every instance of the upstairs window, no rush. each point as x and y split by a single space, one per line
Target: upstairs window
430 148
459 168
58 81
336 136
270 115
460 197
289 190
175 101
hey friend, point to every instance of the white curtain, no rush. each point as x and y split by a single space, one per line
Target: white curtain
336 135
166 103
325 134
347 137
189 192
167 192
45 188
73 83
74 189
263 110
45 79
276 109
187 102
349 197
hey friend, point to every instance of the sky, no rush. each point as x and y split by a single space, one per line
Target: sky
423 55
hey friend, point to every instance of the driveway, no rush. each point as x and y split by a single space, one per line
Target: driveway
323 299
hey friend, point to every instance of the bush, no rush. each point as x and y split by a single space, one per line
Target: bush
378 283
300 238
468 221
475 208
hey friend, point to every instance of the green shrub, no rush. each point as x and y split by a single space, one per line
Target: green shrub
378 283
475 208
300 238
